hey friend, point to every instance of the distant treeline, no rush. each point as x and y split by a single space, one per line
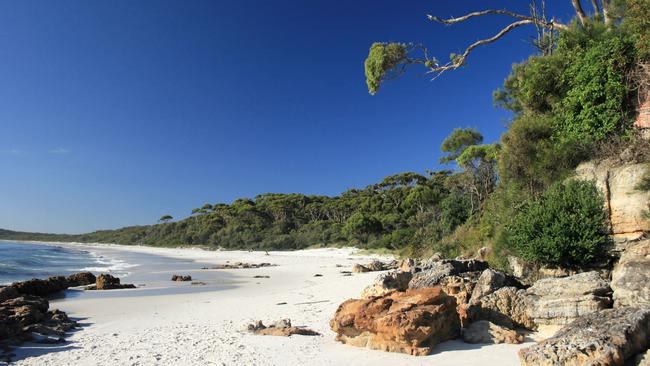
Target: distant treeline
404 210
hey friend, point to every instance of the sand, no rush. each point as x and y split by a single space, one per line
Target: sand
166 323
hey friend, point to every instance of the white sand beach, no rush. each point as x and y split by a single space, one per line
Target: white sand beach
165 323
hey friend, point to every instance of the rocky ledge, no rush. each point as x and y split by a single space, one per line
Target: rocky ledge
25 313
608 337
425 302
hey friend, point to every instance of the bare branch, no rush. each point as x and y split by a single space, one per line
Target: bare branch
579 11
594 4
477 14
606 4
460 60
449 21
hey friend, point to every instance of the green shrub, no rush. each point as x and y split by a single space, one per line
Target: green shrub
566 226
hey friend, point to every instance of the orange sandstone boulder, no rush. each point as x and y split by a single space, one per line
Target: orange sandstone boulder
411 322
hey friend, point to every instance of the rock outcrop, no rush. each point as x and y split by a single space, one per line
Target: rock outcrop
608 337
43 288
507 307
281 328
240 265
25 314
483 331
559 301
490 281
411 322
108 282
631 276
624 203
430 274
81 279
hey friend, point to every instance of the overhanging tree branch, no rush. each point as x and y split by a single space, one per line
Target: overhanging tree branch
533 20
459 60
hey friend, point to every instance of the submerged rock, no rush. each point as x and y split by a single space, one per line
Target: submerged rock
484 331
411 322
604 338
181 278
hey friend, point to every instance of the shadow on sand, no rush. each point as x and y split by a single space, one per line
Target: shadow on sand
33 349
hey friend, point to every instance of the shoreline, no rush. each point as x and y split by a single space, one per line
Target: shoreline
146 326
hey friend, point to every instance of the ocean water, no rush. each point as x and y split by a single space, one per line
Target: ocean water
23 261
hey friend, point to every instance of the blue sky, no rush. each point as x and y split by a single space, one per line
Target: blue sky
114 113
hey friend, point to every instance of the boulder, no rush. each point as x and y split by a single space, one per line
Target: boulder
359 268
624 203
483 331
406 265
387 282
38 287
432 273
489 281
631 276
381 266
529 273
181 278
507 307
81 279
558 301
411 322
607 337
279 328
108 282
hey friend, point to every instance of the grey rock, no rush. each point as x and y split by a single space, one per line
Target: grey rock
631 276
489 281
558 301
483 331
386 282
432 273
508 307
607 337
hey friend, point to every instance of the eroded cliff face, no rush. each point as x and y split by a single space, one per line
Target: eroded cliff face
626 205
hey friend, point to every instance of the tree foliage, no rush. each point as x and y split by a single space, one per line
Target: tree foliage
383 58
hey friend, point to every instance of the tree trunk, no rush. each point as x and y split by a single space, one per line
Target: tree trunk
579 11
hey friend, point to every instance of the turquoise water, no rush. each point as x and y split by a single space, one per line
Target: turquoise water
23 261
